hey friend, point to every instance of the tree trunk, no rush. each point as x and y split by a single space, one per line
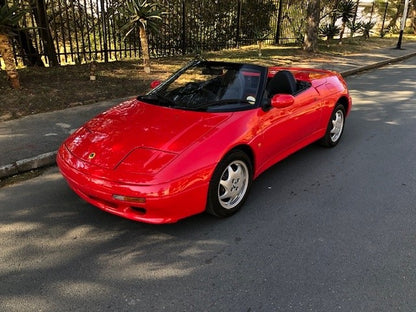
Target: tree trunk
145 49
355 17
259 42
312 31
334 18
393 21
39 11
31 55
341 34
6 51
414 16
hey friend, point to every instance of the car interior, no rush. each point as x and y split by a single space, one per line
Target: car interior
283 82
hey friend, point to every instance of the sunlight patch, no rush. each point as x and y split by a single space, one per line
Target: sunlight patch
148 271
18 227
393 123
63 125
81 289
24 303
9 136
373 97
78 232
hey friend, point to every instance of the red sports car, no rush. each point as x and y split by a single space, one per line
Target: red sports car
196 141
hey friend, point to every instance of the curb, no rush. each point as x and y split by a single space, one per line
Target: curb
49 159
25 165
377 65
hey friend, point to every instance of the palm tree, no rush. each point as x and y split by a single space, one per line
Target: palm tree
142 16
345 11
9 18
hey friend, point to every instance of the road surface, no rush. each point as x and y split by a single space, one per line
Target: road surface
324 230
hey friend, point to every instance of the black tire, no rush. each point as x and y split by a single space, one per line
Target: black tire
230 184
335 127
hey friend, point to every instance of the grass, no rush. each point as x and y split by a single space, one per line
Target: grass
54 88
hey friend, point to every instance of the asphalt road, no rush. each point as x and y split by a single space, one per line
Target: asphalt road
324 230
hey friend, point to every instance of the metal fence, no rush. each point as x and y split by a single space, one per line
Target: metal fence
76 31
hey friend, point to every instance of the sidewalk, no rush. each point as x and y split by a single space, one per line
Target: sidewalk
31 142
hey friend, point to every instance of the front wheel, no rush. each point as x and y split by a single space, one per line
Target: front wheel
230 184
335 127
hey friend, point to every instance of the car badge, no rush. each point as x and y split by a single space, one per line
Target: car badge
91 156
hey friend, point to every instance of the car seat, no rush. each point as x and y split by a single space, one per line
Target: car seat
283 82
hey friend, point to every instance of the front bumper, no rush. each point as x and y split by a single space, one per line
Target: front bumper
164 203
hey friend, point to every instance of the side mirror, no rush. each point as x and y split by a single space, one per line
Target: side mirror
282 100
155 83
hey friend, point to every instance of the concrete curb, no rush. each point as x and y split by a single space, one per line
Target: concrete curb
377 65
49 159
25 165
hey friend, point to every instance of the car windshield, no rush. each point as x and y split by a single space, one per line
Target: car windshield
210 86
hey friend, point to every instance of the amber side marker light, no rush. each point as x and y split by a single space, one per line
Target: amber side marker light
140 200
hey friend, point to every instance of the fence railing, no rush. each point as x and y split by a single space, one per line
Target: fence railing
76 31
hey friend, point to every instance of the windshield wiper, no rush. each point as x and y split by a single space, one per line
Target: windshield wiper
157 98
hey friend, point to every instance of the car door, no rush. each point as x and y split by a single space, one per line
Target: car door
285 130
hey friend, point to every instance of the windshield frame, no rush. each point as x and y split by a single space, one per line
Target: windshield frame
157 96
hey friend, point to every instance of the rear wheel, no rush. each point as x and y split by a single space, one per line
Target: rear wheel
335 127
230 184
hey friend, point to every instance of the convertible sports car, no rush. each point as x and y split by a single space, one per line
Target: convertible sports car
196 141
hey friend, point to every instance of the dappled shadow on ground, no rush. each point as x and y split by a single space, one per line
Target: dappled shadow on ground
62 254
385 95
59 252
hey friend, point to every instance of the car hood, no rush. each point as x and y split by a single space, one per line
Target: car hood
145 136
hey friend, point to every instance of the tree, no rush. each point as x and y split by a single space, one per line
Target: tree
257 26
312 29
30 56
294 21
352 24
39 12
355 27
143 16
345 11
329 31
329 18
413 14
254 25
9 19
366 28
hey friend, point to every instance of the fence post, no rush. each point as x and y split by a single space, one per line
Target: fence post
183 28
103 19
239 8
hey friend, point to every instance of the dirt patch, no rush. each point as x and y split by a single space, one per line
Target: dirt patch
54 88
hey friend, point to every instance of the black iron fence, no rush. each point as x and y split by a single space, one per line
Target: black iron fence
76 31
